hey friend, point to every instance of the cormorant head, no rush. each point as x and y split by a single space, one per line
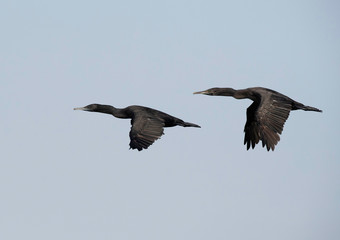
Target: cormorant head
90 108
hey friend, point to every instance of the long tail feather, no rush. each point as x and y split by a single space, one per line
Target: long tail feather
308 108
187 124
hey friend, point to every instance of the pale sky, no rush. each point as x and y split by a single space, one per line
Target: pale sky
68 174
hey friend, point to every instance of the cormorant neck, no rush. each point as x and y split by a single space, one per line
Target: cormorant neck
238 94
225 92
117 112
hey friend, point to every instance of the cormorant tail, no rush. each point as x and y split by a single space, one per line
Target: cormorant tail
187 124
308 108
297 105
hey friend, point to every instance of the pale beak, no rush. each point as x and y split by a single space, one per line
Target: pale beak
80 108
201 92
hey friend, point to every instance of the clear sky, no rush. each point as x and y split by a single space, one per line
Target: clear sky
68 174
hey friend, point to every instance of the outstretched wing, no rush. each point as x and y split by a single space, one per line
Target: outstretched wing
144 131
265 121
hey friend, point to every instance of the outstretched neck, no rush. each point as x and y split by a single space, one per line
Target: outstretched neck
230 92
244 93
238 94
117 112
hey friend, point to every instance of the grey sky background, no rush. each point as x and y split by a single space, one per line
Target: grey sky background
70 175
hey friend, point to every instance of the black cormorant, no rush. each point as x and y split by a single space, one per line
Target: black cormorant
147 123
266 116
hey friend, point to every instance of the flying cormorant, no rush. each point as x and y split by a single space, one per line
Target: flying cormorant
147 123
266 116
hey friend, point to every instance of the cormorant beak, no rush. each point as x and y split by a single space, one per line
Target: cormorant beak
80 108
202 92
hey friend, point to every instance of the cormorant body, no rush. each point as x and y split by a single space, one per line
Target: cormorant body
147 123
267 114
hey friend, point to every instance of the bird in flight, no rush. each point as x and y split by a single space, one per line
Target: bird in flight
267 114
147 124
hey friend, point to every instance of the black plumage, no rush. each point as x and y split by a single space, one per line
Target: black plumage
147 124
267 114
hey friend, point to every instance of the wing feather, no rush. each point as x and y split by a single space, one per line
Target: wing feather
265 121
145 131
